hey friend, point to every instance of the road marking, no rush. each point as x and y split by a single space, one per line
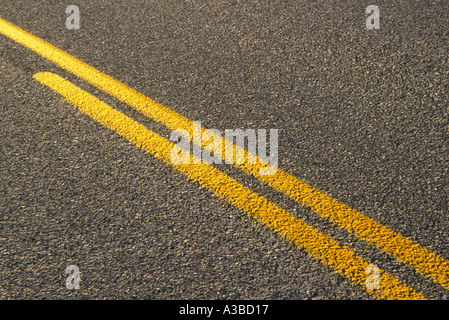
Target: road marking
320 246
401 248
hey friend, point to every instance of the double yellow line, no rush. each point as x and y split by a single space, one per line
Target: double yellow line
322 247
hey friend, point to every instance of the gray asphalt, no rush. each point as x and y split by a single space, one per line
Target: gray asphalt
363 116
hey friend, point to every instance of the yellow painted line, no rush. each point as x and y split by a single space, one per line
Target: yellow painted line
318 245
403 249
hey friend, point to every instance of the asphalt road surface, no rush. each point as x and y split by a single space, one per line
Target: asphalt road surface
363 119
